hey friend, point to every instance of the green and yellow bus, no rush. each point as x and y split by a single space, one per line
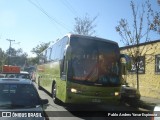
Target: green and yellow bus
81 69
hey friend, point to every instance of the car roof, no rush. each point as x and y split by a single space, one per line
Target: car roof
21 72
15 81
24 72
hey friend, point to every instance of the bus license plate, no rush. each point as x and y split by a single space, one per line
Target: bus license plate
131 96
96 100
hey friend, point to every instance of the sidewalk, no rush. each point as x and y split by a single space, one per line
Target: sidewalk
148 103
150 100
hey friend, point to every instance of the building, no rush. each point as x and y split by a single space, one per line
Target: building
149 70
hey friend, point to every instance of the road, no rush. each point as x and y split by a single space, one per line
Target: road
90 112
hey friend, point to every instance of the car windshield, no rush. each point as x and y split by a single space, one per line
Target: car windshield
18 96
94 61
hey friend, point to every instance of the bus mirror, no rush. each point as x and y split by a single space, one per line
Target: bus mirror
123 69
125 63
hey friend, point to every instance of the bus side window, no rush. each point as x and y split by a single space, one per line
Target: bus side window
63 63
63 69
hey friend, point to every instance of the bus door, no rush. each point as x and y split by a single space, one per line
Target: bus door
63 74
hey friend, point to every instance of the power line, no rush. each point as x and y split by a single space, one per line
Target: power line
40 8
51 18
70 7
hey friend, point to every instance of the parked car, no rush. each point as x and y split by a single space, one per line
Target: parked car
156 113
19 98
130 95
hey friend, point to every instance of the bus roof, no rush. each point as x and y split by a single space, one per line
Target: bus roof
69 35
91 37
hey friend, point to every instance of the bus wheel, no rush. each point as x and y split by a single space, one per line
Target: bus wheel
55 99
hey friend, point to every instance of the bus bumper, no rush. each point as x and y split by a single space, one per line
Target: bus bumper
83 99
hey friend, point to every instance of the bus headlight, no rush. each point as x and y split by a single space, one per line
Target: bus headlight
116 93
73 90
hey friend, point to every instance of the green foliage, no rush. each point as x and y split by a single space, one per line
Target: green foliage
40 48
16 57
12 57
3 58
37 50
19 58
33 61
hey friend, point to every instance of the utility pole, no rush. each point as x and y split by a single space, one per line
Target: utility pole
10 43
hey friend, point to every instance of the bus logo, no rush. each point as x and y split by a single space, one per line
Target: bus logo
6 114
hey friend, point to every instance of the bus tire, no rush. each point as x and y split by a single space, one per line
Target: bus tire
134 103
55 99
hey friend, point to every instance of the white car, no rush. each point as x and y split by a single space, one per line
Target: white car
156 113
22 74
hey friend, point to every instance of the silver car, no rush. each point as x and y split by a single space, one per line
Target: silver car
19 100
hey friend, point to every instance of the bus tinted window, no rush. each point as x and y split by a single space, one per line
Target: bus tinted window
48 54
94 61
64 43
58 49
53 53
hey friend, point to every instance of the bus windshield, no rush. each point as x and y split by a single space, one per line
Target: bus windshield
94 62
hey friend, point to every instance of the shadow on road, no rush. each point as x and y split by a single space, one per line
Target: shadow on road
91 112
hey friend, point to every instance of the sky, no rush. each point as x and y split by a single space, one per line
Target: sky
32 22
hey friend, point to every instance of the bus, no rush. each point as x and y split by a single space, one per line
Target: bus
81 69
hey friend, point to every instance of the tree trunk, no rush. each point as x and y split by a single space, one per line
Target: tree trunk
137 74
137 79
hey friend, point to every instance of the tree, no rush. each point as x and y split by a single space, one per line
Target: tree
143 24
85 25
40 48
37 50
3 58
16 57
155 25
158 2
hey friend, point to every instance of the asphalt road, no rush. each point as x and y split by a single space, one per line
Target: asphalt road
91 112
